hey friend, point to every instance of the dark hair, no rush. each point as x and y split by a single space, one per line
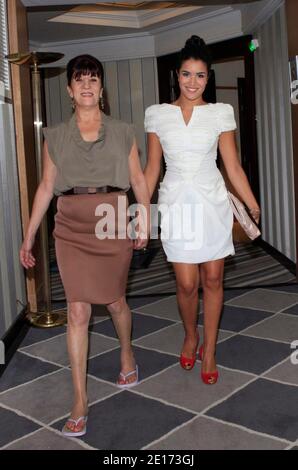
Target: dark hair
195 48
84 65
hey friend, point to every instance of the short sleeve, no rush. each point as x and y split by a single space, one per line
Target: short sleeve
225 118
50 136
150 119
130 137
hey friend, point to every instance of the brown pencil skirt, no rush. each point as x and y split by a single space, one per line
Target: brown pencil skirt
92 270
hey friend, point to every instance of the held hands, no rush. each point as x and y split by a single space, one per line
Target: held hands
140 228
26 257
142 240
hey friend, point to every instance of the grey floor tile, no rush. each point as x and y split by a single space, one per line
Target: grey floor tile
293 288
129 421
107 366
14 426
166 308
141 325
168 340
36 335
56 349
270 407
238 318
280 327
140 301
223 335
291 310
250 354
45 440
265 299
158 288
207 434
171 339
185 388
285 372
51 396
23 368
98 313
230 294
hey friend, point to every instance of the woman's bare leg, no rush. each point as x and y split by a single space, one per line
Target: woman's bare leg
77 342
122 319
211 274
187 285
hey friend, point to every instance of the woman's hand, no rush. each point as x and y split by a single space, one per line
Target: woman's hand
255 212
140 244
140 189
141 240
26 257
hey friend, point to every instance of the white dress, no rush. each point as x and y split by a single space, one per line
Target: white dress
196 217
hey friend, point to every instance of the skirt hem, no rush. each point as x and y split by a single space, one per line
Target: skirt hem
229 253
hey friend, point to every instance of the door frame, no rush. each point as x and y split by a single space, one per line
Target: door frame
238 48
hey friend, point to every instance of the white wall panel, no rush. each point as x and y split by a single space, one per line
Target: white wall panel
275 135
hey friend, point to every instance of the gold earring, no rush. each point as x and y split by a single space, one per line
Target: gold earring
73 104
102 103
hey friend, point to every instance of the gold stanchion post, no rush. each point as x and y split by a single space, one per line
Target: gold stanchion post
45 318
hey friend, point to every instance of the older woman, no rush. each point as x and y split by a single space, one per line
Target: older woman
89 163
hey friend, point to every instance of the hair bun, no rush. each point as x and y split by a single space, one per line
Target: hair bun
195 41
194 48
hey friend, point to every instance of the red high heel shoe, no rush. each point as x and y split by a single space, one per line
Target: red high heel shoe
208 378
187 363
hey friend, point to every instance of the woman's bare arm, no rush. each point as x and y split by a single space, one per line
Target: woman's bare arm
41 203
152 168
235 172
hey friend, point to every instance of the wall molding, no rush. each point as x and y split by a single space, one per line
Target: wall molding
119 48
264 14
125 18
85 41
194 19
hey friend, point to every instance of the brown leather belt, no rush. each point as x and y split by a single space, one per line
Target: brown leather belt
81 190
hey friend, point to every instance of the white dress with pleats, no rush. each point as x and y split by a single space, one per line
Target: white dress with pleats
196 217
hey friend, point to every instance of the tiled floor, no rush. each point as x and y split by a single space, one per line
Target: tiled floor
253 405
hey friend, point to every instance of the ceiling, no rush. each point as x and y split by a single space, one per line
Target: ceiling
43 3
58 21
137 15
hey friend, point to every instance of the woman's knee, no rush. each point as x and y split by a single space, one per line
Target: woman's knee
212 282
79 313
187 288
117 307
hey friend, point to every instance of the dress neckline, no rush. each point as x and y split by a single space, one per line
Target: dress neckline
78 136
195 107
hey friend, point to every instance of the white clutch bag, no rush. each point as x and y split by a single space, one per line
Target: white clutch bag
239 211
